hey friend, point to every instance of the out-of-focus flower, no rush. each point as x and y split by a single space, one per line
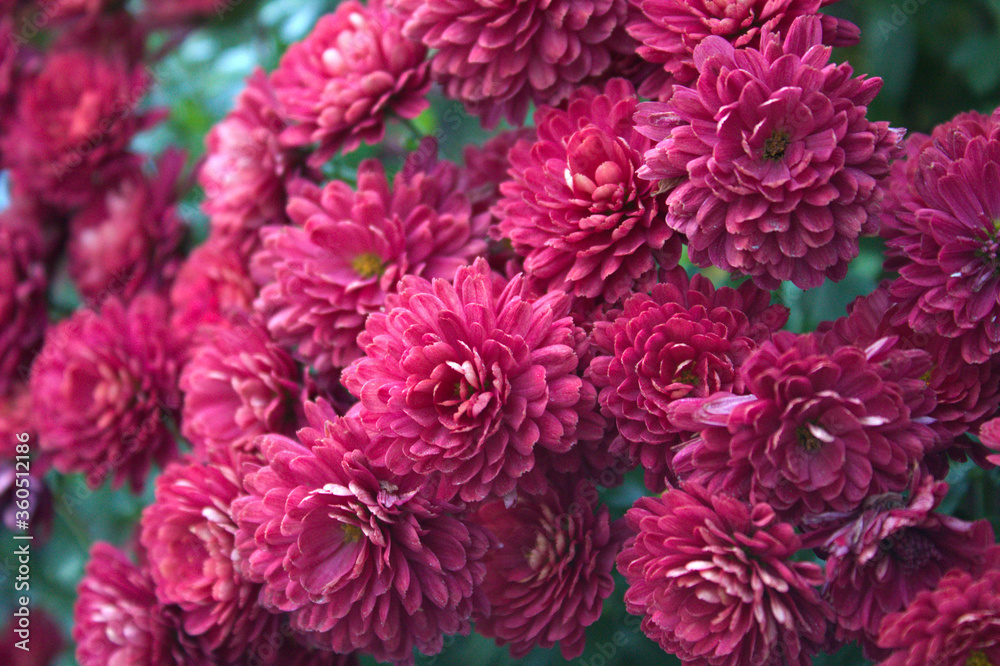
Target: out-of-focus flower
348 249
23 296
669 31
498 58
466 380
104 391
362 558
686 339
575 208
128 237
880 557
41 647
339 83
822 427
246 168
772 168
955 624
237 385
548 580
714 582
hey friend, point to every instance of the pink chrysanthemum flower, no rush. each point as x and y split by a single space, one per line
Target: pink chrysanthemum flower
669 31
948 284
237 385
245 167
128 237
955 624
498 58
361 557
23 296
989 435
822 426
466 381
575 208
350 248
548 580
104 390
879 558
213 288
773 166
686 339
714 582
338 83
189 537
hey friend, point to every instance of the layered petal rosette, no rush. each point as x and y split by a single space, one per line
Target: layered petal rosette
669 30
955 624
466 380
362 558
714 582
576 210
548 580
773 169
499 57
104 391
685 339
338 84
349 248
822 427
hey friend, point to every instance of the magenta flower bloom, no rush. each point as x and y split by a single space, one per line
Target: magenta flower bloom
989 435
773 167
23 296
576 210
237 385
128 237
714 581
956 624
822 428
188 534
948 285
361 557
341 80
548 580
245 167
498 58
104 389
669 31
466 381
686 339
880 558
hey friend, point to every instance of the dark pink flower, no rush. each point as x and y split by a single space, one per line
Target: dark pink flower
338 83
74 119
686 339
23 296
669 31
237 385
989 435
189 538
245 167
467 380
44 644
362 558
104 391
128 237
822 427
879 558
955 624
348 249
773 168
575 208
498 58
548 580
714 581
948 284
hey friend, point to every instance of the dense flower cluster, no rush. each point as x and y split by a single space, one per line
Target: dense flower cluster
379 402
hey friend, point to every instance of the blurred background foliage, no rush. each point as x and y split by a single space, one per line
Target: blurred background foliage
937 58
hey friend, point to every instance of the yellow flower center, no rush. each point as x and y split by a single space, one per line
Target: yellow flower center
352 533
978 658
807 440
775 145
368 265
